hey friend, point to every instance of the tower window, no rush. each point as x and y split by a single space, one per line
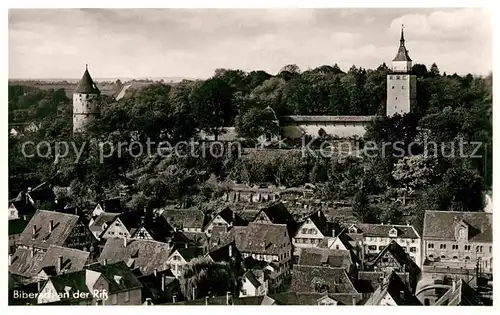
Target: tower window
403 87
396 98
398 77
393 87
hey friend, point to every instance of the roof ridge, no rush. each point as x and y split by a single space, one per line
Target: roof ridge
67 248
59 213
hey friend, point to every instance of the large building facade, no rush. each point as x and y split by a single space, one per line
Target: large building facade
401 83
85 102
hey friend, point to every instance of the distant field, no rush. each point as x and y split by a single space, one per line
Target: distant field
107 89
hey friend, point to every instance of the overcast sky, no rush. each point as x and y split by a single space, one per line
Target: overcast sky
137 43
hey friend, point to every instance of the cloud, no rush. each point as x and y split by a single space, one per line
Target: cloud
459 24
194 42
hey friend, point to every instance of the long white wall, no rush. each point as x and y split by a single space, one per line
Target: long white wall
338 129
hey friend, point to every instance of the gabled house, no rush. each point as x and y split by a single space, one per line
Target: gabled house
392 292
55 228
312 231
58 260
112 284
459 238
322 257
270 243
143 256
181 257
186 220
226 217
377 236
35 266
158 229
101 223
21 209
460 294
25 263
123 226
113 205
394 258
324 280
277 213
254 283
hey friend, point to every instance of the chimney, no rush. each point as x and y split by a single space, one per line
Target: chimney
453 285
227 297
25 217
59 264
194 293
173 298
230 250
186 245
125 242
206 300
32 251
34 230
402 294
155 272
104 262
162 283
10 260
39 285
29 189
353 300
51 226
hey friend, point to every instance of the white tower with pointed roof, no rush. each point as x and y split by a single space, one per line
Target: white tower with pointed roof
401 83
85 102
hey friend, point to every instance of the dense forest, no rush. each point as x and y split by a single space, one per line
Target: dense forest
451 108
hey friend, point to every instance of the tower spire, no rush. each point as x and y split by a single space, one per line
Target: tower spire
402 40
86 66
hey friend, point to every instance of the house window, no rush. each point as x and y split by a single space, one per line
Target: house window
467 247
443 256
304 231
454 247
430 245
479 249
398 77
442 246
455 257
127 296
490 249
413 249
467 258
338 247
244 292
372 247
431 256
380 247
